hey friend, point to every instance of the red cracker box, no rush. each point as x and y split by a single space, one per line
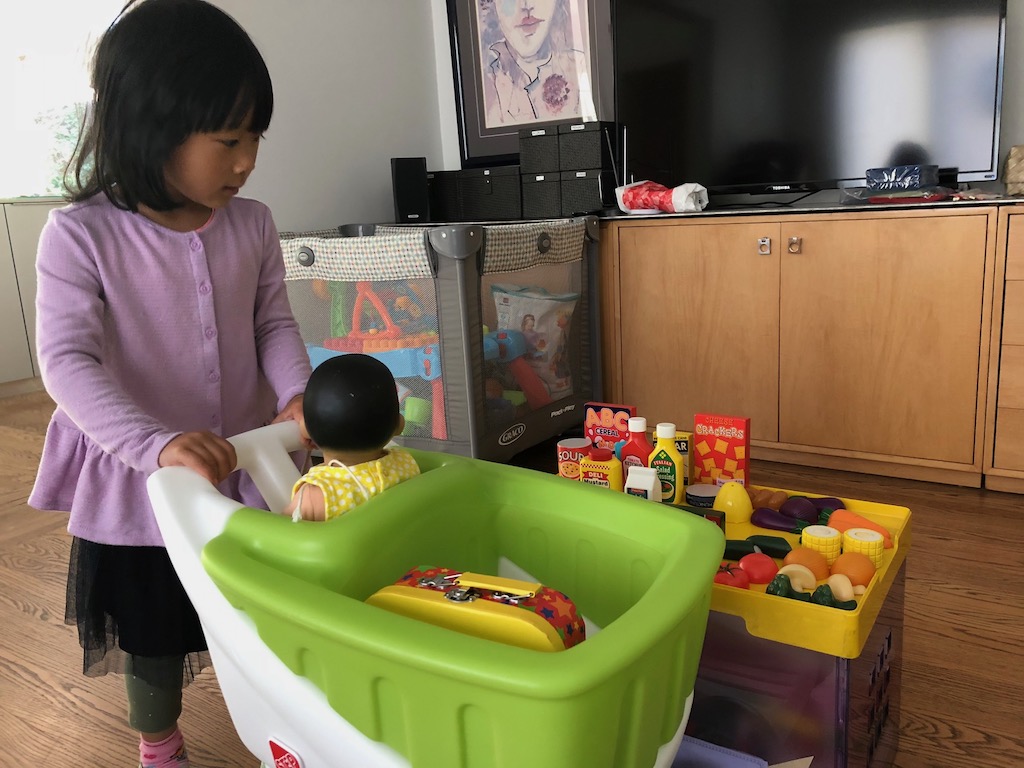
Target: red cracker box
721 450
605 424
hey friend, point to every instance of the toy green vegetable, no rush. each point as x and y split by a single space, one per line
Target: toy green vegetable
823 596
782 587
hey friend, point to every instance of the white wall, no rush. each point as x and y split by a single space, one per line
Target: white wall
356 82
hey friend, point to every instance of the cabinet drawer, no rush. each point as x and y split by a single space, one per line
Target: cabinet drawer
1015 249
1011 377
1013 313
1009 448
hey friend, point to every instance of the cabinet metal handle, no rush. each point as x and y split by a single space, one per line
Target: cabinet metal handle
764 246
796 245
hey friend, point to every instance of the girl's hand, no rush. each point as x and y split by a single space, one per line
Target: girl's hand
293 412
210 455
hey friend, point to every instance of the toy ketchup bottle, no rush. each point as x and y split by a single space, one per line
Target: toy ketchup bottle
601 468
636 451
670 464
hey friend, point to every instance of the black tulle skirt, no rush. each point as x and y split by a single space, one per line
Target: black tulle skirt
129 600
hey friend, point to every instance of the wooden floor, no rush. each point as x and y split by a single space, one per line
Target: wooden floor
963 676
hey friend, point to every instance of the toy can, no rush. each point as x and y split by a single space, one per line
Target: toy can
701 495
570 451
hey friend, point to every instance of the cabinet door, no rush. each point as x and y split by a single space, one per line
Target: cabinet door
15 358
699 322
1009 425
880 335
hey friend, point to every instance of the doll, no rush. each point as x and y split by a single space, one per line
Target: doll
350 411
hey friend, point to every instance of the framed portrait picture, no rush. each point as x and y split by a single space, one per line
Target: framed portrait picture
527 63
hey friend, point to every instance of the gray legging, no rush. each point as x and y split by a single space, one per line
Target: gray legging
154 691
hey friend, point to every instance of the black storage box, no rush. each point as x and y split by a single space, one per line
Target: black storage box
583 146
490 193
443 191
542 196
538 150
584 191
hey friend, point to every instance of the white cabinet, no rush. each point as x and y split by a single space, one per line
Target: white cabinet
20 226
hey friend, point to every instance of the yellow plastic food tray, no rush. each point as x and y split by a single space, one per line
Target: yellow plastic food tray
807 625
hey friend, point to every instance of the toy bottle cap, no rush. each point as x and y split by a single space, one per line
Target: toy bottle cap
602 454
637 424
666 429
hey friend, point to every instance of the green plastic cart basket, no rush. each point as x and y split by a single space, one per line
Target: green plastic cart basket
426 696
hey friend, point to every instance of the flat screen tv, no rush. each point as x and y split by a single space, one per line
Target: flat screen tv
758 96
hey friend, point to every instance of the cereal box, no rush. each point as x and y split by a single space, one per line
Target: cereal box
684 444
605 424
721 449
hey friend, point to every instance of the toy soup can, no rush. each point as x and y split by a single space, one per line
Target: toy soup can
570 451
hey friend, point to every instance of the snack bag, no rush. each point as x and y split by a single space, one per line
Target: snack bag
651 197
544 320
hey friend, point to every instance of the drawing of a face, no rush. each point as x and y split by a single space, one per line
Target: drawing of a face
525 24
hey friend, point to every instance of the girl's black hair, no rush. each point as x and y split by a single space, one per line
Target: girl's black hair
351 404
165 69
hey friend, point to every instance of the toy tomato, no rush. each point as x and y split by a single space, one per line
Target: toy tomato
732 576
760 568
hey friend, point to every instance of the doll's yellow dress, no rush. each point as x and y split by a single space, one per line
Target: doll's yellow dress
345 487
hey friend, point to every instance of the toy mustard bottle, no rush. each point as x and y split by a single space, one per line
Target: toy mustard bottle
637 449
600 467
669 462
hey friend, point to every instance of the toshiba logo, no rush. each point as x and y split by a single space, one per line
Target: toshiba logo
780 187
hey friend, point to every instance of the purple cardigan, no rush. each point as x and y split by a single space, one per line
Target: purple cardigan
144 333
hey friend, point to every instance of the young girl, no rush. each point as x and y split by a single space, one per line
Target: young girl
351 412
163 325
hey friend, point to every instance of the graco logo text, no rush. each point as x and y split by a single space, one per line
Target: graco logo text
512 434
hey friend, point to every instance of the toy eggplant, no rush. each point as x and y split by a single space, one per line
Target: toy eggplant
766 517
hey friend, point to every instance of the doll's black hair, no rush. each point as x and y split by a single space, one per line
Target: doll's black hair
165 69
351 404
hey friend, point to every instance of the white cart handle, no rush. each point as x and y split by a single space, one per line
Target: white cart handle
264 454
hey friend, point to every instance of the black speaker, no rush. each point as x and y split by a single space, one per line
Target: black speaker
409 187
443 189
488 194
538 150
582 146
542 196
586 191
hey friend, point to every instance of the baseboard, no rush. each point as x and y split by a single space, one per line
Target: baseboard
21 387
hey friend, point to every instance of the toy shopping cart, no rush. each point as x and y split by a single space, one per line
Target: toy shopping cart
315 677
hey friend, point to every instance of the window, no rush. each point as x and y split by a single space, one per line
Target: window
45 53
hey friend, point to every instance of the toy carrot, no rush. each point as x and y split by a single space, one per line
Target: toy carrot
843 519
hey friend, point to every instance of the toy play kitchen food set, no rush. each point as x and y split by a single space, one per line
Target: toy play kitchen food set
802 655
